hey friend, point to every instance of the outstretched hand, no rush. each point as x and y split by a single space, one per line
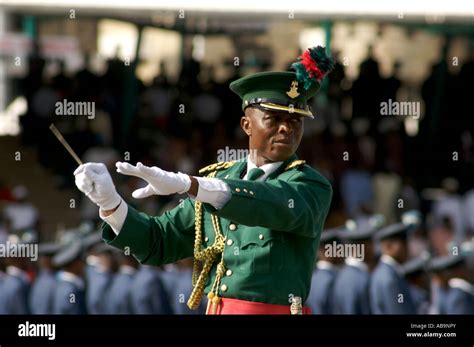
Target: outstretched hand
160 182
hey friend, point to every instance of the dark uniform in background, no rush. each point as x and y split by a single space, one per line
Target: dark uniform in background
69 296
118 299
148 295
42 290
460 298
415 273
455 289
99 280
351 288
90 243
320 298
15 289
177 280
389 291
15 286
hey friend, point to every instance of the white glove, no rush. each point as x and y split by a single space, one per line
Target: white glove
160 182
95 182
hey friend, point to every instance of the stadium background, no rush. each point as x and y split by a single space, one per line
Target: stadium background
158 77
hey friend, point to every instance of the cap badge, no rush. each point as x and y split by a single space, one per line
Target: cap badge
293 92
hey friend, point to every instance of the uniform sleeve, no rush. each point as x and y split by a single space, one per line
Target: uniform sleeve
299 204
390 292
156 240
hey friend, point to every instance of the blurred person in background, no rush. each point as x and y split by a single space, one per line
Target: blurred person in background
69 295
460 299
386 187
177 279
320 297
357 189
351 288
450 205
41 298
418 281
364 142
100 279
409 195
389 291
452 285
468 207
148 294
441 236
89 243
21 215
367 104
118 298
16 283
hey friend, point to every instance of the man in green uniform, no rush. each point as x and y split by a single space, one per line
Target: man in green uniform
253 226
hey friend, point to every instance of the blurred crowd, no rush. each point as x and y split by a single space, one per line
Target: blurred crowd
80 274
374 268
374 166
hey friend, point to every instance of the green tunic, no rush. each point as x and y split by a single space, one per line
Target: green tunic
272 230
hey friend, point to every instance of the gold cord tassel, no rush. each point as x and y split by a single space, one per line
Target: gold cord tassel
208 256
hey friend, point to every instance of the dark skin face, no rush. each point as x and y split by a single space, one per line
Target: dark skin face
396 248
273 135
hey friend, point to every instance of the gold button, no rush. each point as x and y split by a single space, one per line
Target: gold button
228 272
251 193
229 242
224 287
206 239
245 190
232 226
237 190
261 237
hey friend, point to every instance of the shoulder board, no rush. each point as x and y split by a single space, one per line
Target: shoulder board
215 167
295 164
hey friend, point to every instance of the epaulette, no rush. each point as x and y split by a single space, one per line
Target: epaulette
295 164
216 166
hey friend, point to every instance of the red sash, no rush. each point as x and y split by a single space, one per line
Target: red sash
235 306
